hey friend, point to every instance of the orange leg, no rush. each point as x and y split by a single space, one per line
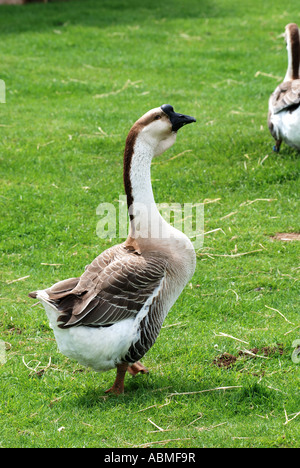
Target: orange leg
136 368
118 386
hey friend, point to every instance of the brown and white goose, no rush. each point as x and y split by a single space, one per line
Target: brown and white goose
284 103
111 315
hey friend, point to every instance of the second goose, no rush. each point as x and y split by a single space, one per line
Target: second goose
284 103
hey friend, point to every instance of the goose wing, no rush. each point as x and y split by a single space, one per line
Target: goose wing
286 96
115 286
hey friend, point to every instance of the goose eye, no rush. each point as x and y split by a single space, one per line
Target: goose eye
157 117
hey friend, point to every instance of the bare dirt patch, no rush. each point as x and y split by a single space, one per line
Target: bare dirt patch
227 360
265 351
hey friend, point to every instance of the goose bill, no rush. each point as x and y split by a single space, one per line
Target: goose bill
177 120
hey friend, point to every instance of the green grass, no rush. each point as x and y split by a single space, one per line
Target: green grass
201 57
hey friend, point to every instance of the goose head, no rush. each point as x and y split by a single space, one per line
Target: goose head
158 127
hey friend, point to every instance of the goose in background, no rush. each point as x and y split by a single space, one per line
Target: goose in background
111 315
284 103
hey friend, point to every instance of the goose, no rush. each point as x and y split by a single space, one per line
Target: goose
111 315
284 103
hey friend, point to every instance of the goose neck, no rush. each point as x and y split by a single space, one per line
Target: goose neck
293 49
140 174
142 208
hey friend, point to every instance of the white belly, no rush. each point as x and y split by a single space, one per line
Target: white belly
287 127
100 348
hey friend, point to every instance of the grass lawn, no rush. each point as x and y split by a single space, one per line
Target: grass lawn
78 74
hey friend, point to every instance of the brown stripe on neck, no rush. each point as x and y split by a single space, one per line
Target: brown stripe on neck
128 155
295 49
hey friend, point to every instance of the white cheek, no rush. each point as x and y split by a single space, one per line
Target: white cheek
158 128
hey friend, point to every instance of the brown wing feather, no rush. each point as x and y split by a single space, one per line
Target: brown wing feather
113 287
285 96
62 287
